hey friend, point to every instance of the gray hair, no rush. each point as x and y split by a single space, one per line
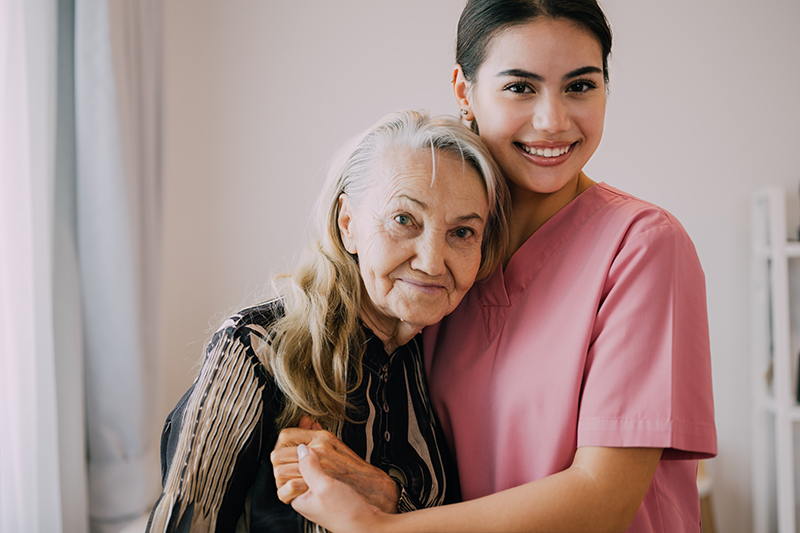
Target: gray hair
353 173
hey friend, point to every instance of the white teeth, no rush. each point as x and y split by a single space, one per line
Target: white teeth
546 152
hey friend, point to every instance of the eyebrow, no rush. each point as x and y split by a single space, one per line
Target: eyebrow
520 73
424 206
473 216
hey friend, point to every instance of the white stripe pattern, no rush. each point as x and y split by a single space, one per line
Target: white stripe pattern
221 399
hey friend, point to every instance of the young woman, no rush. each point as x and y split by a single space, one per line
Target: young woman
574 383
409 219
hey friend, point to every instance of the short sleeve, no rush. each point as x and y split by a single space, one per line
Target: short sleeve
647 379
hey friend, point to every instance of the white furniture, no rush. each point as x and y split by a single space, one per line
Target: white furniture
774 364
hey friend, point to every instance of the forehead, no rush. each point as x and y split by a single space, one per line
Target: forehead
547 42
406 172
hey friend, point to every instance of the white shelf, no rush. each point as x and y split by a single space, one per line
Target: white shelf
771 349
793 249
792 411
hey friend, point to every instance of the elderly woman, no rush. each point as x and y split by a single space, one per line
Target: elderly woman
413 214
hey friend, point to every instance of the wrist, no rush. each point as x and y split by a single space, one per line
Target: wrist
394 494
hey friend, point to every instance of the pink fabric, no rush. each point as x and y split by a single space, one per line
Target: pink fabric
595 334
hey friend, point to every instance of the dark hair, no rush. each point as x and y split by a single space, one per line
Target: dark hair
482 19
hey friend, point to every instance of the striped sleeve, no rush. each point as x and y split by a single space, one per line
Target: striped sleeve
406 504
215 438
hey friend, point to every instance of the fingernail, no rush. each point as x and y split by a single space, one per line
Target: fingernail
302 451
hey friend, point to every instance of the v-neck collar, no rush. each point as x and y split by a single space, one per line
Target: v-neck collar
504 286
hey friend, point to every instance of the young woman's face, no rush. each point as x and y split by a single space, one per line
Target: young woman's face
539 100
418 239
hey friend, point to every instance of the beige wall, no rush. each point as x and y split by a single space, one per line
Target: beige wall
702 112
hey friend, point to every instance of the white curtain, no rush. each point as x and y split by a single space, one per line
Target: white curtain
80 168
118 119
29 463
67 315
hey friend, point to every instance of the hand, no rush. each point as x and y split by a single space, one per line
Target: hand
331 503
336 459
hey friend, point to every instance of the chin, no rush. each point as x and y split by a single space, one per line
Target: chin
411 316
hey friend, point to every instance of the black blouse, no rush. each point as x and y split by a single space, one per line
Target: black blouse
215 447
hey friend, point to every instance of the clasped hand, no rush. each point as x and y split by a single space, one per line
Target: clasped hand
336 459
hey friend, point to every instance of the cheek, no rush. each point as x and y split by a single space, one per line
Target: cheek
384 255
466 269
500 135
498 142
368 278
375 283
591 121
497 119
501 125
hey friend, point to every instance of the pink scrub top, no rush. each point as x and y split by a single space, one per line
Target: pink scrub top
595 334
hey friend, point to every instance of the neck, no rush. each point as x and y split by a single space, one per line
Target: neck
393 332
530 210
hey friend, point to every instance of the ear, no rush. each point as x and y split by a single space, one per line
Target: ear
461 90
346 226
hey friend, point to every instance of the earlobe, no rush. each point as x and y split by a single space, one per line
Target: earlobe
346 226
461 92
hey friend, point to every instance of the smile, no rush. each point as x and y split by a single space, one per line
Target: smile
545 152
426 288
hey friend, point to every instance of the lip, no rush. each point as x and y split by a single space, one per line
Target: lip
421 286
546 161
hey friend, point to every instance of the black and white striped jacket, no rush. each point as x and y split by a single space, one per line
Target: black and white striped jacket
215 447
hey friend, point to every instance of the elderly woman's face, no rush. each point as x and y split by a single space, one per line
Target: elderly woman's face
418 240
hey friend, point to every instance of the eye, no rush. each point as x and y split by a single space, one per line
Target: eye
464 233
518 87
403 220
582 86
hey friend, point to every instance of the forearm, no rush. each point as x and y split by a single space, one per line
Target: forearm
567 501
594 495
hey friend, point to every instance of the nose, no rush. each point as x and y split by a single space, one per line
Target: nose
550 114
430 256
